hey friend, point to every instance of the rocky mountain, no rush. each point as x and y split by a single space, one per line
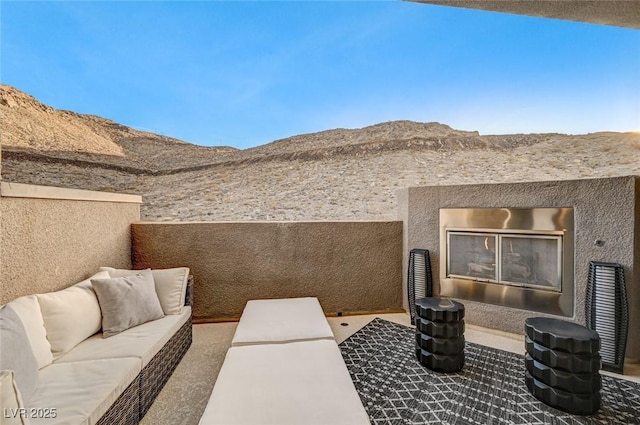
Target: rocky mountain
33 130
340 174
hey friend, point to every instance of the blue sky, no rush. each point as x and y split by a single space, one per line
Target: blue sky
246 73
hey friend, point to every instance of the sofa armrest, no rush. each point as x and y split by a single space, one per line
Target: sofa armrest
188 299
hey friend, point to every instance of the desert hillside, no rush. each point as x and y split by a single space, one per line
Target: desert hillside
32 129
341 174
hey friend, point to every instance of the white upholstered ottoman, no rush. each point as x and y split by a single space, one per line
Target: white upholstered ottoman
297 383
282 320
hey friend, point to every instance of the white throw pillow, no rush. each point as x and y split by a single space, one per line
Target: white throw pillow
13 410
28 310
71 315
171 285
127 302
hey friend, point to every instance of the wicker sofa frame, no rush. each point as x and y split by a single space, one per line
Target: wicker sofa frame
131 406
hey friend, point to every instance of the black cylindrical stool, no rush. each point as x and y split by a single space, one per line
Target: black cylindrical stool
562 364
440 334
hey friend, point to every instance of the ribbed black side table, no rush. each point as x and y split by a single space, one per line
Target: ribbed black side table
562 365
440 334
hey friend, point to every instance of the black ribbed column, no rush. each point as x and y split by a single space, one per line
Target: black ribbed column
440 334
562 364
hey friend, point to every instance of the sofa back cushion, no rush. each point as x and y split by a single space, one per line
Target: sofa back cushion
28 310
71 315
171 285
13 412
16 353
127 302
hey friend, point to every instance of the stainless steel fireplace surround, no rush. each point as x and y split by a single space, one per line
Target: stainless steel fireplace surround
514 257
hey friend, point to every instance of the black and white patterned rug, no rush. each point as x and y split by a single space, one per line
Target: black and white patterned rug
396 389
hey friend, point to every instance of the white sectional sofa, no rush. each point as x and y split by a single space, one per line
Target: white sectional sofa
67 364
284 368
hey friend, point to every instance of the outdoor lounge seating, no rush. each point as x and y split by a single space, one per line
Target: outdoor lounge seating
281 320
84 377
284 367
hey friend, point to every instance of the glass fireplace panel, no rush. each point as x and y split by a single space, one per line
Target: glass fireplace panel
472 255
532 261
533 287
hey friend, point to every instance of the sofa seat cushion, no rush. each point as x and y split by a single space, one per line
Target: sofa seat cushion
142 341
81 392
299 383
281 320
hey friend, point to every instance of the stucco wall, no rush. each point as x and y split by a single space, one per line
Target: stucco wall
349 266
605 209
48 244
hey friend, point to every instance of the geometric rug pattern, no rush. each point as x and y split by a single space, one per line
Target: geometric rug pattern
396 389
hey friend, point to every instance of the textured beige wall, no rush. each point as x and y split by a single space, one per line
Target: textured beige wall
604 209
349 266
49 244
